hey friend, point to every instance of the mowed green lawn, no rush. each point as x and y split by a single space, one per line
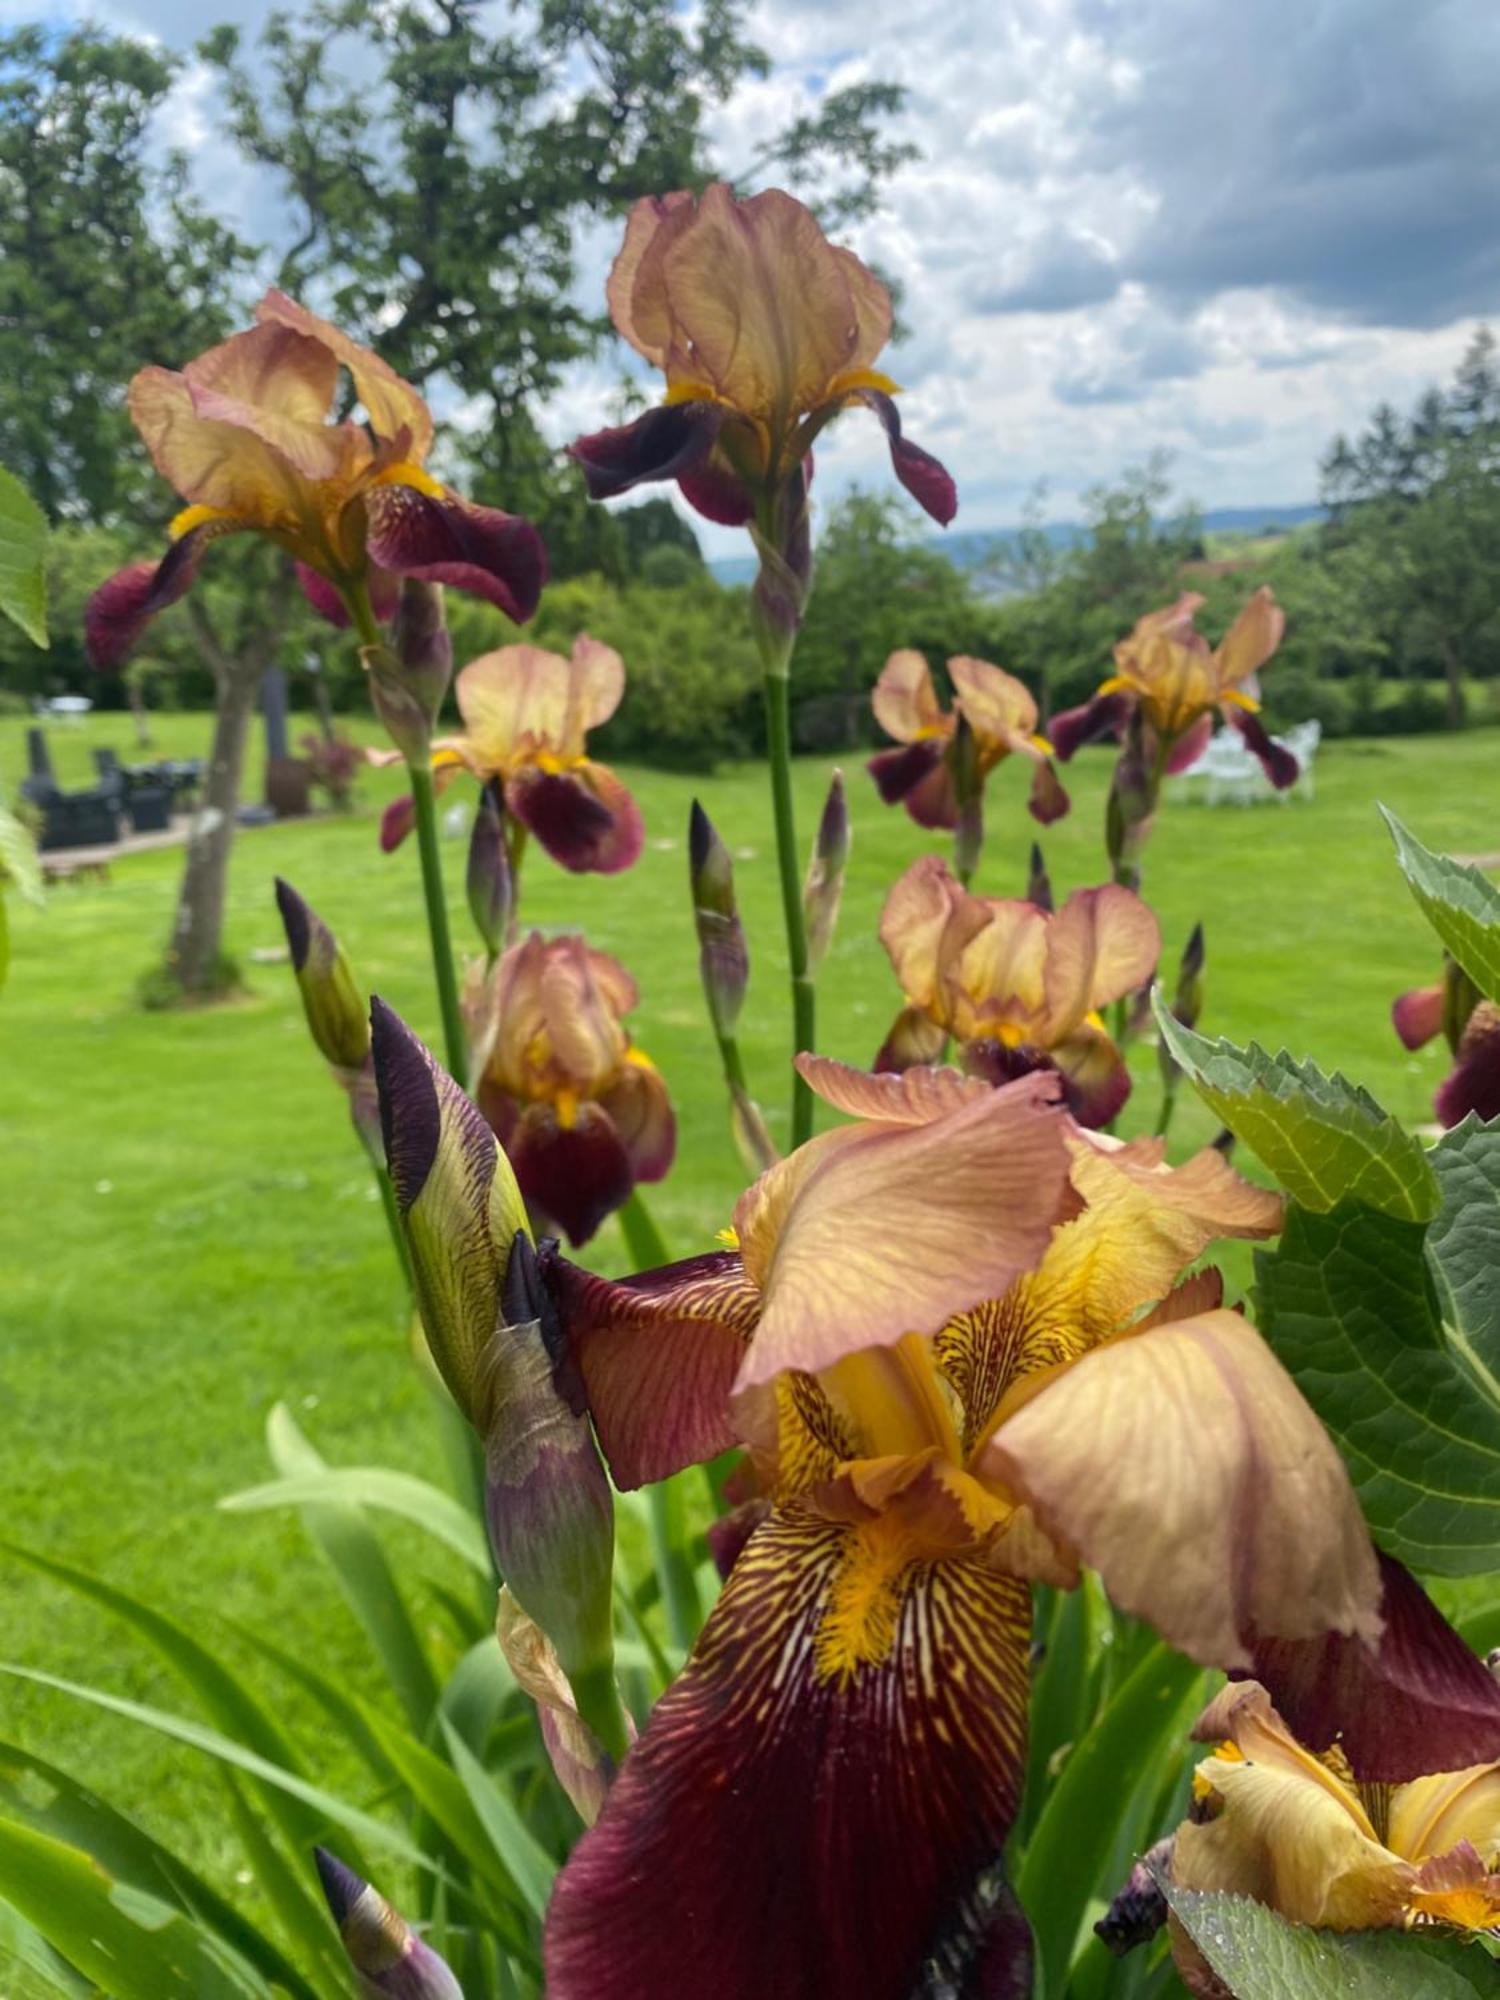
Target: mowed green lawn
188 1233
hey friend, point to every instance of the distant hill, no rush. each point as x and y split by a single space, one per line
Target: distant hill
975 548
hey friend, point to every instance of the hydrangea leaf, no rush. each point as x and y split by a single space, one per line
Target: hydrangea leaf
1462 905
1325 1139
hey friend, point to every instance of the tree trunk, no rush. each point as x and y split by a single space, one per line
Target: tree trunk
1455 681
193 957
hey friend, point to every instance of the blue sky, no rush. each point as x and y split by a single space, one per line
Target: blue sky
1221 228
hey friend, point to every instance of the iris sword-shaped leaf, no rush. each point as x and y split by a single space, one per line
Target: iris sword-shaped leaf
390 1961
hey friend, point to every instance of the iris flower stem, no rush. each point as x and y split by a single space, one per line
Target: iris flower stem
1168 1108
455 1042
804 1005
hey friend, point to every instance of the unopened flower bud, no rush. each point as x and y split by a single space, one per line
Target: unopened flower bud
825 876
330 998
723 959
1039 882
409 677
547 1500
456 1200
490 882
390 1961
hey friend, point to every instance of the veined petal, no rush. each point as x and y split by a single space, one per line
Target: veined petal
391 404
1432 1815
211 463
913 1038
859 1802
1000 977
1417 1701
525 697
905 701
1418 1016
1473 1086
634 290
927 927
496 555
1228 1513
915 1098
576 1173
587 819
658 1355
929 483
124 604
641 1111
876 1231
665 443
1102 944
278 385
715 490
999 706
1251 639
917 776
1095 721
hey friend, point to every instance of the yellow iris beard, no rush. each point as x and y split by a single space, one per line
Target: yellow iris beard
859 1624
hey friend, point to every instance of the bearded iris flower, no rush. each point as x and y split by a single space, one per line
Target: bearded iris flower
1000 712
527 714
929 1369
1454 1008
1304 1835
243 433
765 331
582 1113
1015 986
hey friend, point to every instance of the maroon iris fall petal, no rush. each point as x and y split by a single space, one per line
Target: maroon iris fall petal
124 604
575 1174
1100 720
495 555
586 821
716 491
664 443
1048 800
929 483
1278 763
786 1830
1419 1701
898 772
1418 1016
1190 746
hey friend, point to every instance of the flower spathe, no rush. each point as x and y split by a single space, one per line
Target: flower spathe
243 434
764 331
582 1113
998 708
1015 986
916 1350
527 714
1302 1834
1167 675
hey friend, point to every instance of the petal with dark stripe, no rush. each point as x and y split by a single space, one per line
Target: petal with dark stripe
664 443
123 606
658 1355
1416 1701
818 1794
586 819
642 1113
929 483
498 556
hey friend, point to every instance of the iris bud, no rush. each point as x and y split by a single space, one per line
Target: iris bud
825 876
723 959
390 1961
491 884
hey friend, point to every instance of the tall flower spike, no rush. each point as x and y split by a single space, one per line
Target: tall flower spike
824 887
336 1017
390 1961
243 433
491 883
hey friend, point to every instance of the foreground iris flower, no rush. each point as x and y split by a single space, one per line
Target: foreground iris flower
1453 1008
1015 986
1299 1833
1001 714
582 1113
765 331
243 433
929 1369
527 714
1168 676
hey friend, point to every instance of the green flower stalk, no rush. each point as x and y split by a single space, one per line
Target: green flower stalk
724 963
824 887
390 1961
491 880
547 1501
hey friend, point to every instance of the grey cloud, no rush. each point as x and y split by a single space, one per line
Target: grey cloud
1145 352
1060 276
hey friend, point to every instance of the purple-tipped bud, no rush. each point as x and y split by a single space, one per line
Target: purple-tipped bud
390 1960
968 790
330 997
491 884
456 1200
1039 882
723 959
409 677
824 887
547 1500
1140 1909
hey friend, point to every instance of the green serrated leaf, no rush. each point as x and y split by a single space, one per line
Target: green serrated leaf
18 859
1380 1323
1462 905
23 553
1325 1139
1464 1246
1260 1956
